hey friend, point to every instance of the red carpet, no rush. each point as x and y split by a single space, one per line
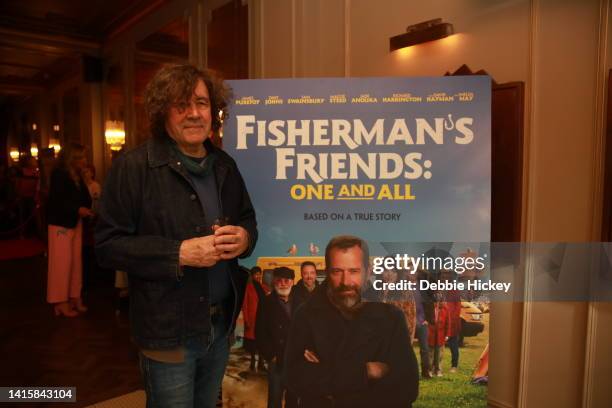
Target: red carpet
21 248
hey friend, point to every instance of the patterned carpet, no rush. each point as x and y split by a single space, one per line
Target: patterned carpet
20 248
91 352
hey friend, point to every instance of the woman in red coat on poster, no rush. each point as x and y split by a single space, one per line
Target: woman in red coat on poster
438 332
453 304
255 291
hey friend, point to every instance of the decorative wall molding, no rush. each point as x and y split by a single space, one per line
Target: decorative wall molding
262 43
347 38
599 122
293 38
255 52
529 177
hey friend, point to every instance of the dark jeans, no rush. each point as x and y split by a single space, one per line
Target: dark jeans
421 335
194 382
453 345
276 389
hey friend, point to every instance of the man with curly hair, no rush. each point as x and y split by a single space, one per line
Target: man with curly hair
175 214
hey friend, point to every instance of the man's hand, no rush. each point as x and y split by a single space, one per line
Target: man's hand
311 357
199 252
376 370
231 241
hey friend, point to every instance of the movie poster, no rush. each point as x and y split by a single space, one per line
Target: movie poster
386 159
400 162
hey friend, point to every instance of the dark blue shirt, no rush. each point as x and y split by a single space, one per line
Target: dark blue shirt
219 280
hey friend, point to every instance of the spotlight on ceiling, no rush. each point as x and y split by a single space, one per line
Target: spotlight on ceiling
420 33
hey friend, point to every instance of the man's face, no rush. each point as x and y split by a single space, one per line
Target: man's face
79 161
190 124
282 286
346 271
87 176
309 275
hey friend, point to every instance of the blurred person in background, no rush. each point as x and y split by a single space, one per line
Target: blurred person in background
95 190
46 164
8 201
27 187
69 202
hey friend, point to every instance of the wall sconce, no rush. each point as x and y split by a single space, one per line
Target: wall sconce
114 134
420 33
34 150
54 144
14 153
56 128
34 126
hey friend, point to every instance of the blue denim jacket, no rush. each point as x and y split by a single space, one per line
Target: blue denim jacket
148 207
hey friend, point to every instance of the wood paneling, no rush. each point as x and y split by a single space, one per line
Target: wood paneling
228 41
507 161
606 228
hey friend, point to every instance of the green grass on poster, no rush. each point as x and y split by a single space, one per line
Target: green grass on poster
454 390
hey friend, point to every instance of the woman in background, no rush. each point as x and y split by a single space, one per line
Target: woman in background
69 202
95 190
89 256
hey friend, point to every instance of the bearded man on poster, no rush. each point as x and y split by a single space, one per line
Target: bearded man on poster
274 315
343 352
175 215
